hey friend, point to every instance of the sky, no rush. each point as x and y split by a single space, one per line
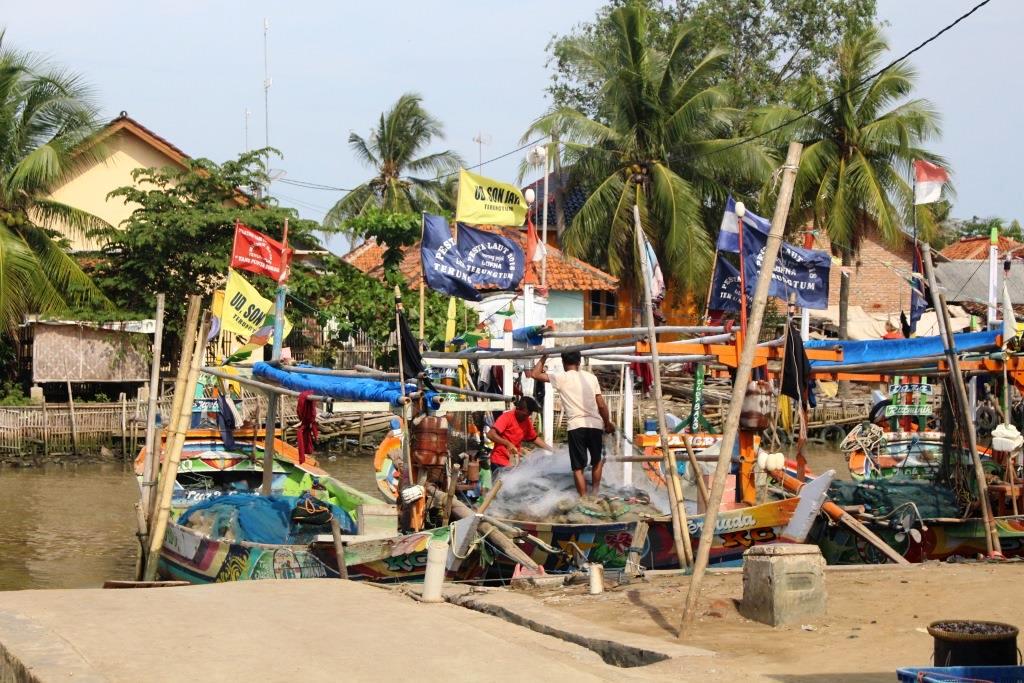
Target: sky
190 69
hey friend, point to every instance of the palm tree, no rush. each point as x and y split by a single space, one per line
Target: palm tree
659 141
45 117
394 149
859 149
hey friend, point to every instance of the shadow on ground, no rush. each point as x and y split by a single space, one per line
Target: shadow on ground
659 618
858 677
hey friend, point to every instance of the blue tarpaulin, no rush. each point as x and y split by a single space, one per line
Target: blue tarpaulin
342 388
878 350
531 334
257 519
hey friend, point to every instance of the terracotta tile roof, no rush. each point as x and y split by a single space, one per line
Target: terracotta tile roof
976 248
565 273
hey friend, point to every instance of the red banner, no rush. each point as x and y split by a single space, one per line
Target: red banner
255 252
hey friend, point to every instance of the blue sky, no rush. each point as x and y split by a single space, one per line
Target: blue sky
189 70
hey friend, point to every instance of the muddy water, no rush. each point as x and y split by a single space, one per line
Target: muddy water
63 526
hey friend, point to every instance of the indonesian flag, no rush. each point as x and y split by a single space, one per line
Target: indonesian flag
536 250
255 252
928 180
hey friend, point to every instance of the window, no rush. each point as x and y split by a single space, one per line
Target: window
603 304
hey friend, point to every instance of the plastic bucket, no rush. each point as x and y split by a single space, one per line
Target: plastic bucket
974 643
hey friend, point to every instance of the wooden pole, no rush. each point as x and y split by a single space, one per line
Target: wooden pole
680 529
179 398
46 431
992 544
124 426
743 372
150 461
74 425
169 473
339 549
270 435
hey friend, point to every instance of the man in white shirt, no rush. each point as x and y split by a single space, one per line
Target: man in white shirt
586 413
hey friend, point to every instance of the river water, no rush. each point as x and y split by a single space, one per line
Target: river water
68 526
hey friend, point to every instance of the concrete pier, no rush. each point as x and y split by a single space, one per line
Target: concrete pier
309 630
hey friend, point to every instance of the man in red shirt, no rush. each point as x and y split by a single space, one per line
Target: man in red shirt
509 432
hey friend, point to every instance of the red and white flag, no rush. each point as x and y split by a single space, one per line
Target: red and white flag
928 181
536 250
255 252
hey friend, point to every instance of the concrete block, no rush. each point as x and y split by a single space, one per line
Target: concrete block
783 584
35 394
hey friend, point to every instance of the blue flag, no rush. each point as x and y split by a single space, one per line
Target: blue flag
725 287
729 234
443 270
803 272
490 259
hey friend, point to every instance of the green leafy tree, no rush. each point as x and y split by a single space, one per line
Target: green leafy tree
395 231
178 241
773 46
407 180
859 149
661 142
982 227
46 118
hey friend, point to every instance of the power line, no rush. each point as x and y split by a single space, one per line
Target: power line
849 91
330 188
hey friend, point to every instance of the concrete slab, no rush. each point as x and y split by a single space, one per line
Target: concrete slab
615 647
309 630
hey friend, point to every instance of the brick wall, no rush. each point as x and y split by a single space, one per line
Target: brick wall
874 286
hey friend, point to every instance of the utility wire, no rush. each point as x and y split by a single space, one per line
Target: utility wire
330 188
849 91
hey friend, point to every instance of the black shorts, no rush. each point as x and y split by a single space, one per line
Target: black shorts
582 441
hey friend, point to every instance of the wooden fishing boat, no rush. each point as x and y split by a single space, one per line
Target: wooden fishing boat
209 470
788 520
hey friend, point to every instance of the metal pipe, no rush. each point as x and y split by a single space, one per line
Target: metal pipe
481 354
255 384
330 372
647 359
667 329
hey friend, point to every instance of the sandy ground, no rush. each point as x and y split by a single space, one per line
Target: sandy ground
875 622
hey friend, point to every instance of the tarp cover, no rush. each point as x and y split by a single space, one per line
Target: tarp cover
881 496
878 350
342 388
257 519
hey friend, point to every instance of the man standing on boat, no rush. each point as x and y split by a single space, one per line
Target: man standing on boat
510 430
586 414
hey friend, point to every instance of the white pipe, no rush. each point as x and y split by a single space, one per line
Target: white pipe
433 578
693 358
548 409
613 332
544 227
805 324
627 425
506 343
596 578
993 279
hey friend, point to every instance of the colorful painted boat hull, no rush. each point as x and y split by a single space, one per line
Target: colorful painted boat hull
938 540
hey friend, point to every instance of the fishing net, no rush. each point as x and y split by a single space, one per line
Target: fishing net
882 497
956 471
541 489
263 519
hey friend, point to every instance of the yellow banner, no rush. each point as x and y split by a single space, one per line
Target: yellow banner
244 311
483 201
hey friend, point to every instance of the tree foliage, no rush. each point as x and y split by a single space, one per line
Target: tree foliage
660 141
407 179
178 241
773 47
395 231
46 120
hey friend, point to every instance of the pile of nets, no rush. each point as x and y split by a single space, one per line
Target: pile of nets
881 497
541 489
261 519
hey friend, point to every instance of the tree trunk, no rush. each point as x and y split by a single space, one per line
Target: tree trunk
844 311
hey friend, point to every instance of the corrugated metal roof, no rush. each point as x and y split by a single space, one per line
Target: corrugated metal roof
967 281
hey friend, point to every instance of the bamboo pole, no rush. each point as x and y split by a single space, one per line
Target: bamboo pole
743 372
992 544
680 529
177 441
46 431
124 426
184 361
149 465
273 401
